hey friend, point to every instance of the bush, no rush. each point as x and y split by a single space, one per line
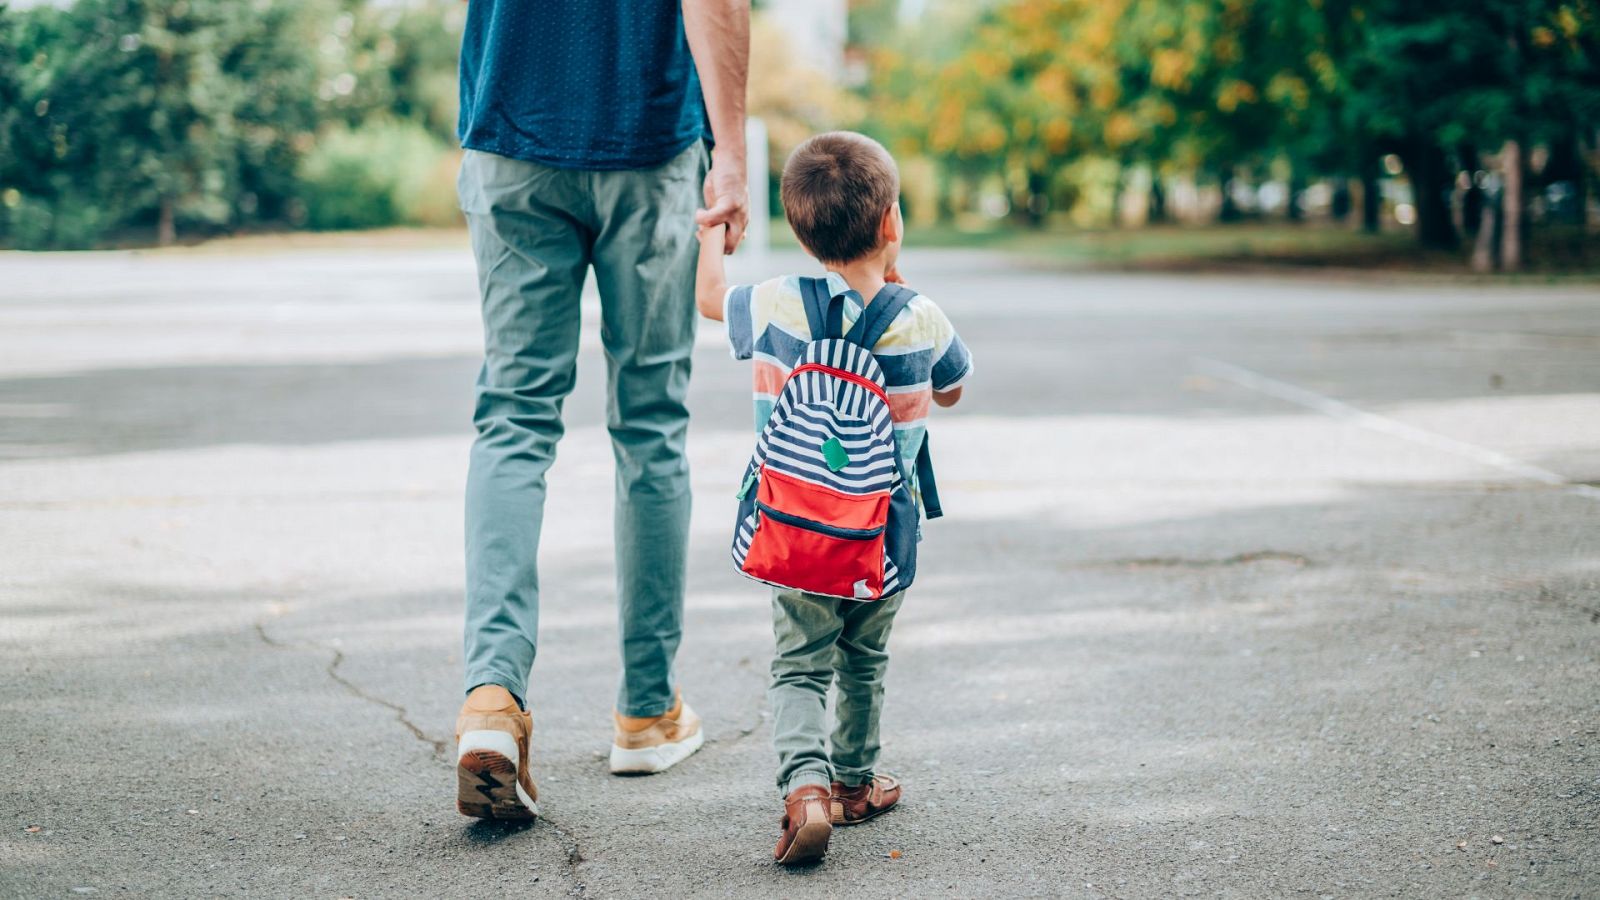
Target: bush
377 175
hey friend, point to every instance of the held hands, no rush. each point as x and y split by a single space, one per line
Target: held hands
727 195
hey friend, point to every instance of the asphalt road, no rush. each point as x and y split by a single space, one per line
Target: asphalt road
1249 587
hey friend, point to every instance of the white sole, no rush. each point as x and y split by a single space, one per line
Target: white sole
487 786
650 760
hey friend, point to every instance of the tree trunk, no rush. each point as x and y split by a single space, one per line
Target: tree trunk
1430 184
1565 167
1229 211
1038 201
1511 208
166 224
1157 210
1339 206
945 185
1472 201
1297 186
1371 198
1483 245
1119 189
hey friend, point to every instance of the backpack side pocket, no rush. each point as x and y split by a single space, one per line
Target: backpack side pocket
900 539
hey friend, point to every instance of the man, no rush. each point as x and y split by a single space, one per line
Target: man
585 124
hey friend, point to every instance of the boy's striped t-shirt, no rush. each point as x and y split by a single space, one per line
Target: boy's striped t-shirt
920 352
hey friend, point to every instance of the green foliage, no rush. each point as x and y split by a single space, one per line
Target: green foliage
1212 86
394 61
194 115
174 112
383 173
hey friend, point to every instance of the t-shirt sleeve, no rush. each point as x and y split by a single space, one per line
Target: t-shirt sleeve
952 362
739 315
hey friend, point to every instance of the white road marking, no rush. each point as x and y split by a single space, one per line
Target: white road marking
1338 409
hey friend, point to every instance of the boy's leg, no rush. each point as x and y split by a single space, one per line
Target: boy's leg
806 628
531 256
644 259
863 659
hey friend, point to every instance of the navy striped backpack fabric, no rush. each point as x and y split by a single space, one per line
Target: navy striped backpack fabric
826 506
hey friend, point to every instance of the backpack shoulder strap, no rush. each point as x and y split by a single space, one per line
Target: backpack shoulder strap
824 312
925 483
880 314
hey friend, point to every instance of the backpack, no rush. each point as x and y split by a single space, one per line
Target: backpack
825 505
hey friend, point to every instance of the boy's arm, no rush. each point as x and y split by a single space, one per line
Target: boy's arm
710 282
943 398
954 364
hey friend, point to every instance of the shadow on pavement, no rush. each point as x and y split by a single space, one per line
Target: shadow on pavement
1324 697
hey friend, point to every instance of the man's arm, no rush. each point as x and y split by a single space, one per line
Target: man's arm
719 40
710 282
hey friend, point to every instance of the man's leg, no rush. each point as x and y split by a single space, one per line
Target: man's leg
532 252
644 258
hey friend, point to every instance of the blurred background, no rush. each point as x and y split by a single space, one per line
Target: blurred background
1370 132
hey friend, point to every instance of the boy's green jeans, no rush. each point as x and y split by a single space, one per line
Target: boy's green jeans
536 230
817 639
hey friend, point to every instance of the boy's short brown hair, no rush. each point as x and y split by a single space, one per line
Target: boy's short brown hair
836 189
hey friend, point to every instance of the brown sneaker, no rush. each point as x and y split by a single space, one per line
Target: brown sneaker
644 746
492 780
854 805
806 828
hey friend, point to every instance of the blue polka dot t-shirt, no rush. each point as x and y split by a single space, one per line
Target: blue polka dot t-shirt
579 84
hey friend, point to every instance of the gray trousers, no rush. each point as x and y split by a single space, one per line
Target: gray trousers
820 639
536 230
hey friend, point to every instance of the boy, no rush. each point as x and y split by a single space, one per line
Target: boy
840 193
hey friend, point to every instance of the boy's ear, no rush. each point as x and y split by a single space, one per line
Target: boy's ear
889 230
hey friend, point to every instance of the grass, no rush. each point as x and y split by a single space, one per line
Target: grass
1554 251
1164 246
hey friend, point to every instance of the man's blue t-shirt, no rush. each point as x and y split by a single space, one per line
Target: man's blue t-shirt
579 84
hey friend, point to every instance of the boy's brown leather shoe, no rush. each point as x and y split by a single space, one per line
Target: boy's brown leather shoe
854 805
806 828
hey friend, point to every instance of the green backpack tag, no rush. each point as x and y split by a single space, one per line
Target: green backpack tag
744 489
834 453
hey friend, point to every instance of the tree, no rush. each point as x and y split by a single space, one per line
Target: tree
163 113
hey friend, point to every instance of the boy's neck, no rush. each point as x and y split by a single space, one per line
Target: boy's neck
865 275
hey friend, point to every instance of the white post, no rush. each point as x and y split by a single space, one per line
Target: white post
758 238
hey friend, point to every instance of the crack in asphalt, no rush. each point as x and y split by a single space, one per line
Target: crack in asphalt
440 747
572 852
1548 594
572 857
1179 562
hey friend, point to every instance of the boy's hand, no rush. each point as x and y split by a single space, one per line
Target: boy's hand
893 275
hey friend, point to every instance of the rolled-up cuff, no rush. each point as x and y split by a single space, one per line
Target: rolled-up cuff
804 777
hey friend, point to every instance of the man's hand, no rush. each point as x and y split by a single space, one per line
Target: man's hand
719 40
727 196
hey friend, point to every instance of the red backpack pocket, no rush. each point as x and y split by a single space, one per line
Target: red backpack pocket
817 539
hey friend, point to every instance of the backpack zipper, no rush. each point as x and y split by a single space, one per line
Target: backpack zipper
851 377
850 534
